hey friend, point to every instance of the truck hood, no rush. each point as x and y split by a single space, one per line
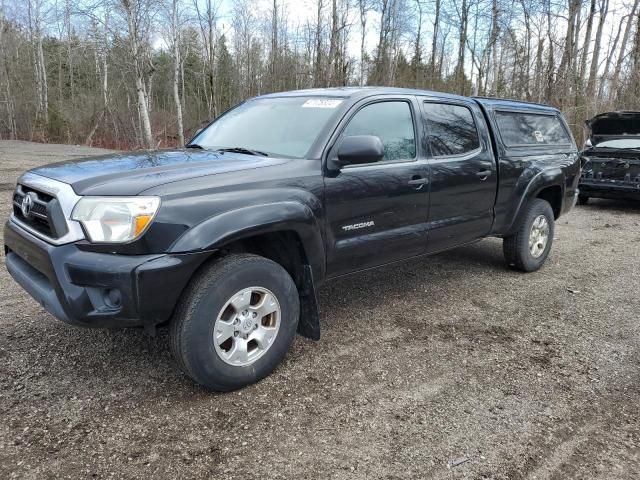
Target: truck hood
613 125
134 172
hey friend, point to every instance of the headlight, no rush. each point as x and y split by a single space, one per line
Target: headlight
115 219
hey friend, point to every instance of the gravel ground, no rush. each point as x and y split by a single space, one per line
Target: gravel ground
448 367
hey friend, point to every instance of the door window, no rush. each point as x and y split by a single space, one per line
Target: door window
451 129
392 122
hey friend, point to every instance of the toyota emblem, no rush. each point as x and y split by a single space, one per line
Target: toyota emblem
27 205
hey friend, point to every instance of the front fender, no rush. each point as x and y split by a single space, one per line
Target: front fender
237 224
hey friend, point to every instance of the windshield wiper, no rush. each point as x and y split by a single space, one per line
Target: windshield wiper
194 145
246 151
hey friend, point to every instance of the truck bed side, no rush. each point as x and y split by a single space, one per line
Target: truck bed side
530 169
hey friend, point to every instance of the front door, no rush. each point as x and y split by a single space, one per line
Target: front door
463 173
377 212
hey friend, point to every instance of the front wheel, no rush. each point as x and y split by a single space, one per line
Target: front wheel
528 248
235 322
583 199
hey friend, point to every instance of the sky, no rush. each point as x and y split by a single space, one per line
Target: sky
303 11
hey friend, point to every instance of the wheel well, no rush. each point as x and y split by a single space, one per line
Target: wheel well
284 248
553 195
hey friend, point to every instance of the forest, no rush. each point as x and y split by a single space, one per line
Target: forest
127 74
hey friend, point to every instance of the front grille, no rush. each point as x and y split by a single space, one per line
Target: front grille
618 170
43 215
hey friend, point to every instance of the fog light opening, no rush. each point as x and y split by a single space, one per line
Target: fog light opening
112 298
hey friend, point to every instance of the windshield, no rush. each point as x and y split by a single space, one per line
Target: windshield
285 127
621 143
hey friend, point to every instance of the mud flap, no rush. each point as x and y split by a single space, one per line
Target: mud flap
309 323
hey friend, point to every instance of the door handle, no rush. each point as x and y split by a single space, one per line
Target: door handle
418 181
483 174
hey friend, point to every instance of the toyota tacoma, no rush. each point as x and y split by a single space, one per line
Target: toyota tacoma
228 239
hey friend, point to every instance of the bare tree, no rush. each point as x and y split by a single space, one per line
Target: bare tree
207 21
463 17
567 62
623 46
363 10
67 17
136 12
102 52
175 43
493 44
35 18
101 55
595 58
436 34
5 80
610 58
273 61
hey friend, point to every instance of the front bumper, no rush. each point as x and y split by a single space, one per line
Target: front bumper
98 289
614 189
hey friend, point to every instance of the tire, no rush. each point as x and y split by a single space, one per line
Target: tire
201 355
516 249
583 199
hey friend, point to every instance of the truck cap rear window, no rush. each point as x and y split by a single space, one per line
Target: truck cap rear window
531 129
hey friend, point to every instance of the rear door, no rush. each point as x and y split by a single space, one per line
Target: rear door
377 212
463 173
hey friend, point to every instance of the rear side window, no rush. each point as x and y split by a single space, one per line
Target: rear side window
392 122
451 129
531 129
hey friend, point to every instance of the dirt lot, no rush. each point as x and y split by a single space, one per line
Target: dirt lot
447 367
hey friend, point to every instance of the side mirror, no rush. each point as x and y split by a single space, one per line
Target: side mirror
357 150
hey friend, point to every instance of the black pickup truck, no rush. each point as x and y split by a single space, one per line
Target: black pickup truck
228 239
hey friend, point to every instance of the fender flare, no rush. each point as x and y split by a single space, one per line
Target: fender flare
237 224
552 177
233 225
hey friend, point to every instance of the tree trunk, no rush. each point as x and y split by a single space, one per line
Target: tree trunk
175 28
593 69
317 63
635 61
333 45
567 60
141 92
587 41
417 52
4 72
526 65
607 65
623 47
462 46
67 14
549 83
35 35
493 46
436 31
362 5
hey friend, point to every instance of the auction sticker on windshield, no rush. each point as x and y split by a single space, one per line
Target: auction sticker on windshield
321 103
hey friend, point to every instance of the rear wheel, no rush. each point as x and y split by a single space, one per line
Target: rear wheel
583 199
235 322
528 248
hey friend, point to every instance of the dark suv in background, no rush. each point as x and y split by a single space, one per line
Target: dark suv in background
229 238
611 158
